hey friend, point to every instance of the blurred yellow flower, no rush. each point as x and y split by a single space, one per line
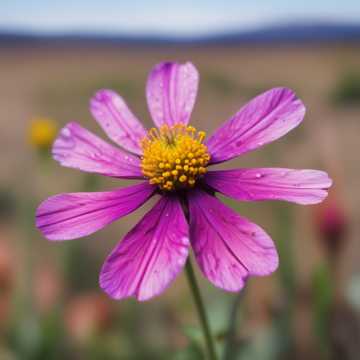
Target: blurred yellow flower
42 132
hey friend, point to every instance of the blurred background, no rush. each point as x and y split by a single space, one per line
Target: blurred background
55 55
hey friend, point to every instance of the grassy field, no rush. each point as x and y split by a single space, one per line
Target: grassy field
57 82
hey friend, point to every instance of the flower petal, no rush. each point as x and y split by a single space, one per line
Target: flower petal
151 254
78 148
73 215
228 247
299 186
263 120
171 92
117 120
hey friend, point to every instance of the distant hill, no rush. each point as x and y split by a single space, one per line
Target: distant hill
295 33
279 34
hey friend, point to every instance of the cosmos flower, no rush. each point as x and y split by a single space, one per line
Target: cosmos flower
173 161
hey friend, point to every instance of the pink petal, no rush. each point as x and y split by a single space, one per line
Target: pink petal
117 120
171 92
228 247
78 148
299 186
73 215
151 254
263 120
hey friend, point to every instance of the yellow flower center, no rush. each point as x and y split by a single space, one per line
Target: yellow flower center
174 157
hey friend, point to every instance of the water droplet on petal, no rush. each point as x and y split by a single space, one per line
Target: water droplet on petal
66 132
185 240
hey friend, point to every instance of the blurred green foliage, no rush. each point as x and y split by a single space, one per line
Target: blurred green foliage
323 301
219 83
347 89
7 204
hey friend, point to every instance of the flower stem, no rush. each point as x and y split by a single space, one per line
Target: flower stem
200 310
230 340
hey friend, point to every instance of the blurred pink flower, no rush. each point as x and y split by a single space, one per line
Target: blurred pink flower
87 315
7 279
48 287
332 224
6 268
173 160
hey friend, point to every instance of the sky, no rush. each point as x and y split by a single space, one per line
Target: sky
175 18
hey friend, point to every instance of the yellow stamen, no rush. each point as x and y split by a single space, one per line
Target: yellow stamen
174 157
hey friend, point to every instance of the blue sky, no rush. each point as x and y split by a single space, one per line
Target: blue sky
182 17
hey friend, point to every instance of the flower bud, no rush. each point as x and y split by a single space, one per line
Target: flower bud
331 224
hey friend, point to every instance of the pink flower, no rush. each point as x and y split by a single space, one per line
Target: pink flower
48 287
332 223
86 316
172 161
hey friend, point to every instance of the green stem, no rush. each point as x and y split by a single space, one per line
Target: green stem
230 339
201 310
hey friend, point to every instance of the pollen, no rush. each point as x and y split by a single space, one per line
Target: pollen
174 157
